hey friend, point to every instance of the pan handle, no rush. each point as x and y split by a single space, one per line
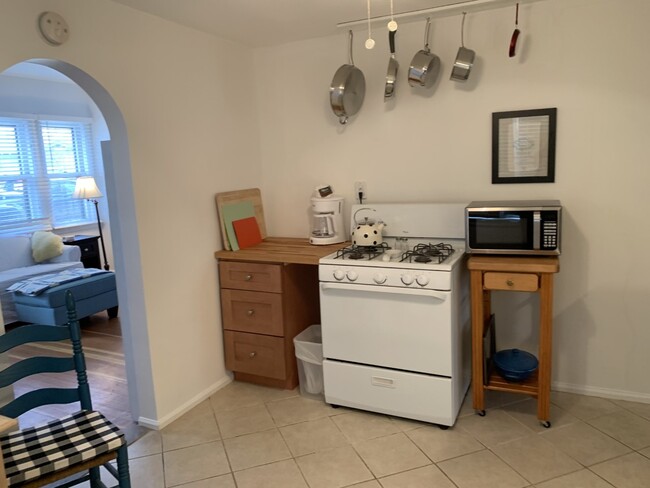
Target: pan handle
350 47
512 50
391 41
462 30
426 34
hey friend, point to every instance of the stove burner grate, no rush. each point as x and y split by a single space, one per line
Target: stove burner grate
361 252
426 253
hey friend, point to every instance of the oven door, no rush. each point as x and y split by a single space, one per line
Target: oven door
399 328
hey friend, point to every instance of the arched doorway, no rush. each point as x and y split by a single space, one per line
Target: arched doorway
125 242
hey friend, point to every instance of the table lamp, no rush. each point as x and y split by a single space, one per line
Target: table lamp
87 189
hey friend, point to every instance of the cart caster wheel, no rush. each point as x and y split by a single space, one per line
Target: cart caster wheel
480 413
546 424
443 427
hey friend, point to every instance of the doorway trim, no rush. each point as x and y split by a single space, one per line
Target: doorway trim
125 243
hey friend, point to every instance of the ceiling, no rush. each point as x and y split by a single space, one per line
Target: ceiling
271 22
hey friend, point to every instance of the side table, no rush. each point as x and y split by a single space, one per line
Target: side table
512 273
89 250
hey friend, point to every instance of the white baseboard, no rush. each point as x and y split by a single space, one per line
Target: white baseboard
630 396
186 407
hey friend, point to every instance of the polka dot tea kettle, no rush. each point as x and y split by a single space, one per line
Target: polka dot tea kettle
368 232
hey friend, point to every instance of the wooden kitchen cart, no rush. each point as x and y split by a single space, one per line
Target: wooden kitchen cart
512 273
269 294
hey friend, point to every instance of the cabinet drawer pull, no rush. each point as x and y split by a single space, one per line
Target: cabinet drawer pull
250 312
252 354
248 277
510 282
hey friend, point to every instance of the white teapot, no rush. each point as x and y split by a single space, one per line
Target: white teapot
368 234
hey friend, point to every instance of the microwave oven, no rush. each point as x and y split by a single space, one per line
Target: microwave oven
529 227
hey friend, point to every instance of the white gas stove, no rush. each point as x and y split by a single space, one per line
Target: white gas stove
418 266
395 317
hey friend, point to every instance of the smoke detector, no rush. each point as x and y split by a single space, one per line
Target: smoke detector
53 28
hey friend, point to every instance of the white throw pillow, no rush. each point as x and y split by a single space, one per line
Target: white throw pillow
46 245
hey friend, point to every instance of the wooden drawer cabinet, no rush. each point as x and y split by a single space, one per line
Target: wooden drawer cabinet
511 281
252 311
255 354
264 306
251 276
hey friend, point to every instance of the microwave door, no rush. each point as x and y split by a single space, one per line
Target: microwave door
500 230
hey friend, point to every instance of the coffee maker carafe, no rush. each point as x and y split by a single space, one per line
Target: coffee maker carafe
326 220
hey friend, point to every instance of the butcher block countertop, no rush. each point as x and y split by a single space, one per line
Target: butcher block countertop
289 250
515 264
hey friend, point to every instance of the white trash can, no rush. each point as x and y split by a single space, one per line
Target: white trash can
309 356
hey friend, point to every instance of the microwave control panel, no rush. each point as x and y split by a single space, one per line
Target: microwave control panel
549 230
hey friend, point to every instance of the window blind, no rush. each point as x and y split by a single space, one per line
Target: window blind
40 161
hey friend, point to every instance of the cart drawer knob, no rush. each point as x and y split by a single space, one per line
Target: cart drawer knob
250 312
510 283
248 277
252 354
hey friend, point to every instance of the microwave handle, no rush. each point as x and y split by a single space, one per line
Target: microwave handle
537 227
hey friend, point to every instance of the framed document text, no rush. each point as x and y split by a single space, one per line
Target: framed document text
523 146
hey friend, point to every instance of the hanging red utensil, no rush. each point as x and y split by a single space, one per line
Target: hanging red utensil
512 51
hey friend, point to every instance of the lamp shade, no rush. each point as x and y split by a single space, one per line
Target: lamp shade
86 188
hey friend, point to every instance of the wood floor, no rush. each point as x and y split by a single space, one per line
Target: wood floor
102 343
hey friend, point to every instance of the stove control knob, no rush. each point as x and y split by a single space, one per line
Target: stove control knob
352 275
339 274
422 280
380 278
407 279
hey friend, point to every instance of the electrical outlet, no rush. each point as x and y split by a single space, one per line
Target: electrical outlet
360 188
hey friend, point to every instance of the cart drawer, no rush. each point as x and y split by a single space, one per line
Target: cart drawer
511 281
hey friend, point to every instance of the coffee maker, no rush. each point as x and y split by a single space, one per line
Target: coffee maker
326 218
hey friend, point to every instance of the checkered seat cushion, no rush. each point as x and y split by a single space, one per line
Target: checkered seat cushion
36 451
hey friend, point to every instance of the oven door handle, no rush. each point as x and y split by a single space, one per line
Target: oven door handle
442 296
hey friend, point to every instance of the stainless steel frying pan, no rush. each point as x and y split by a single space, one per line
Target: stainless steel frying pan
393 65
347 90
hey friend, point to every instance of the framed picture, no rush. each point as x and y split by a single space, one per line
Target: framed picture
523 146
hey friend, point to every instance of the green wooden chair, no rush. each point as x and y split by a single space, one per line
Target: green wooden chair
80 442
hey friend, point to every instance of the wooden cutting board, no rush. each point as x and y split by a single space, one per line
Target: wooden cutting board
252 195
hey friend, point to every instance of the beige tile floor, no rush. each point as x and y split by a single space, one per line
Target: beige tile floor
247 436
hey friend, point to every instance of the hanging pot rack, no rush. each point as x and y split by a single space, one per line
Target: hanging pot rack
439 11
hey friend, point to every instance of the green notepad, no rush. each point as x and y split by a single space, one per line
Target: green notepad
235 211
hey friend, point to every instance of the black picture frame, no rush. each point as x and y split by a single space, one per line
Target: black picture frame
523 146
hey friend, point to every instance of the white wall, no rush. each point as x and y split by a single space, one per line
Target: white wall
585 57
192 132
